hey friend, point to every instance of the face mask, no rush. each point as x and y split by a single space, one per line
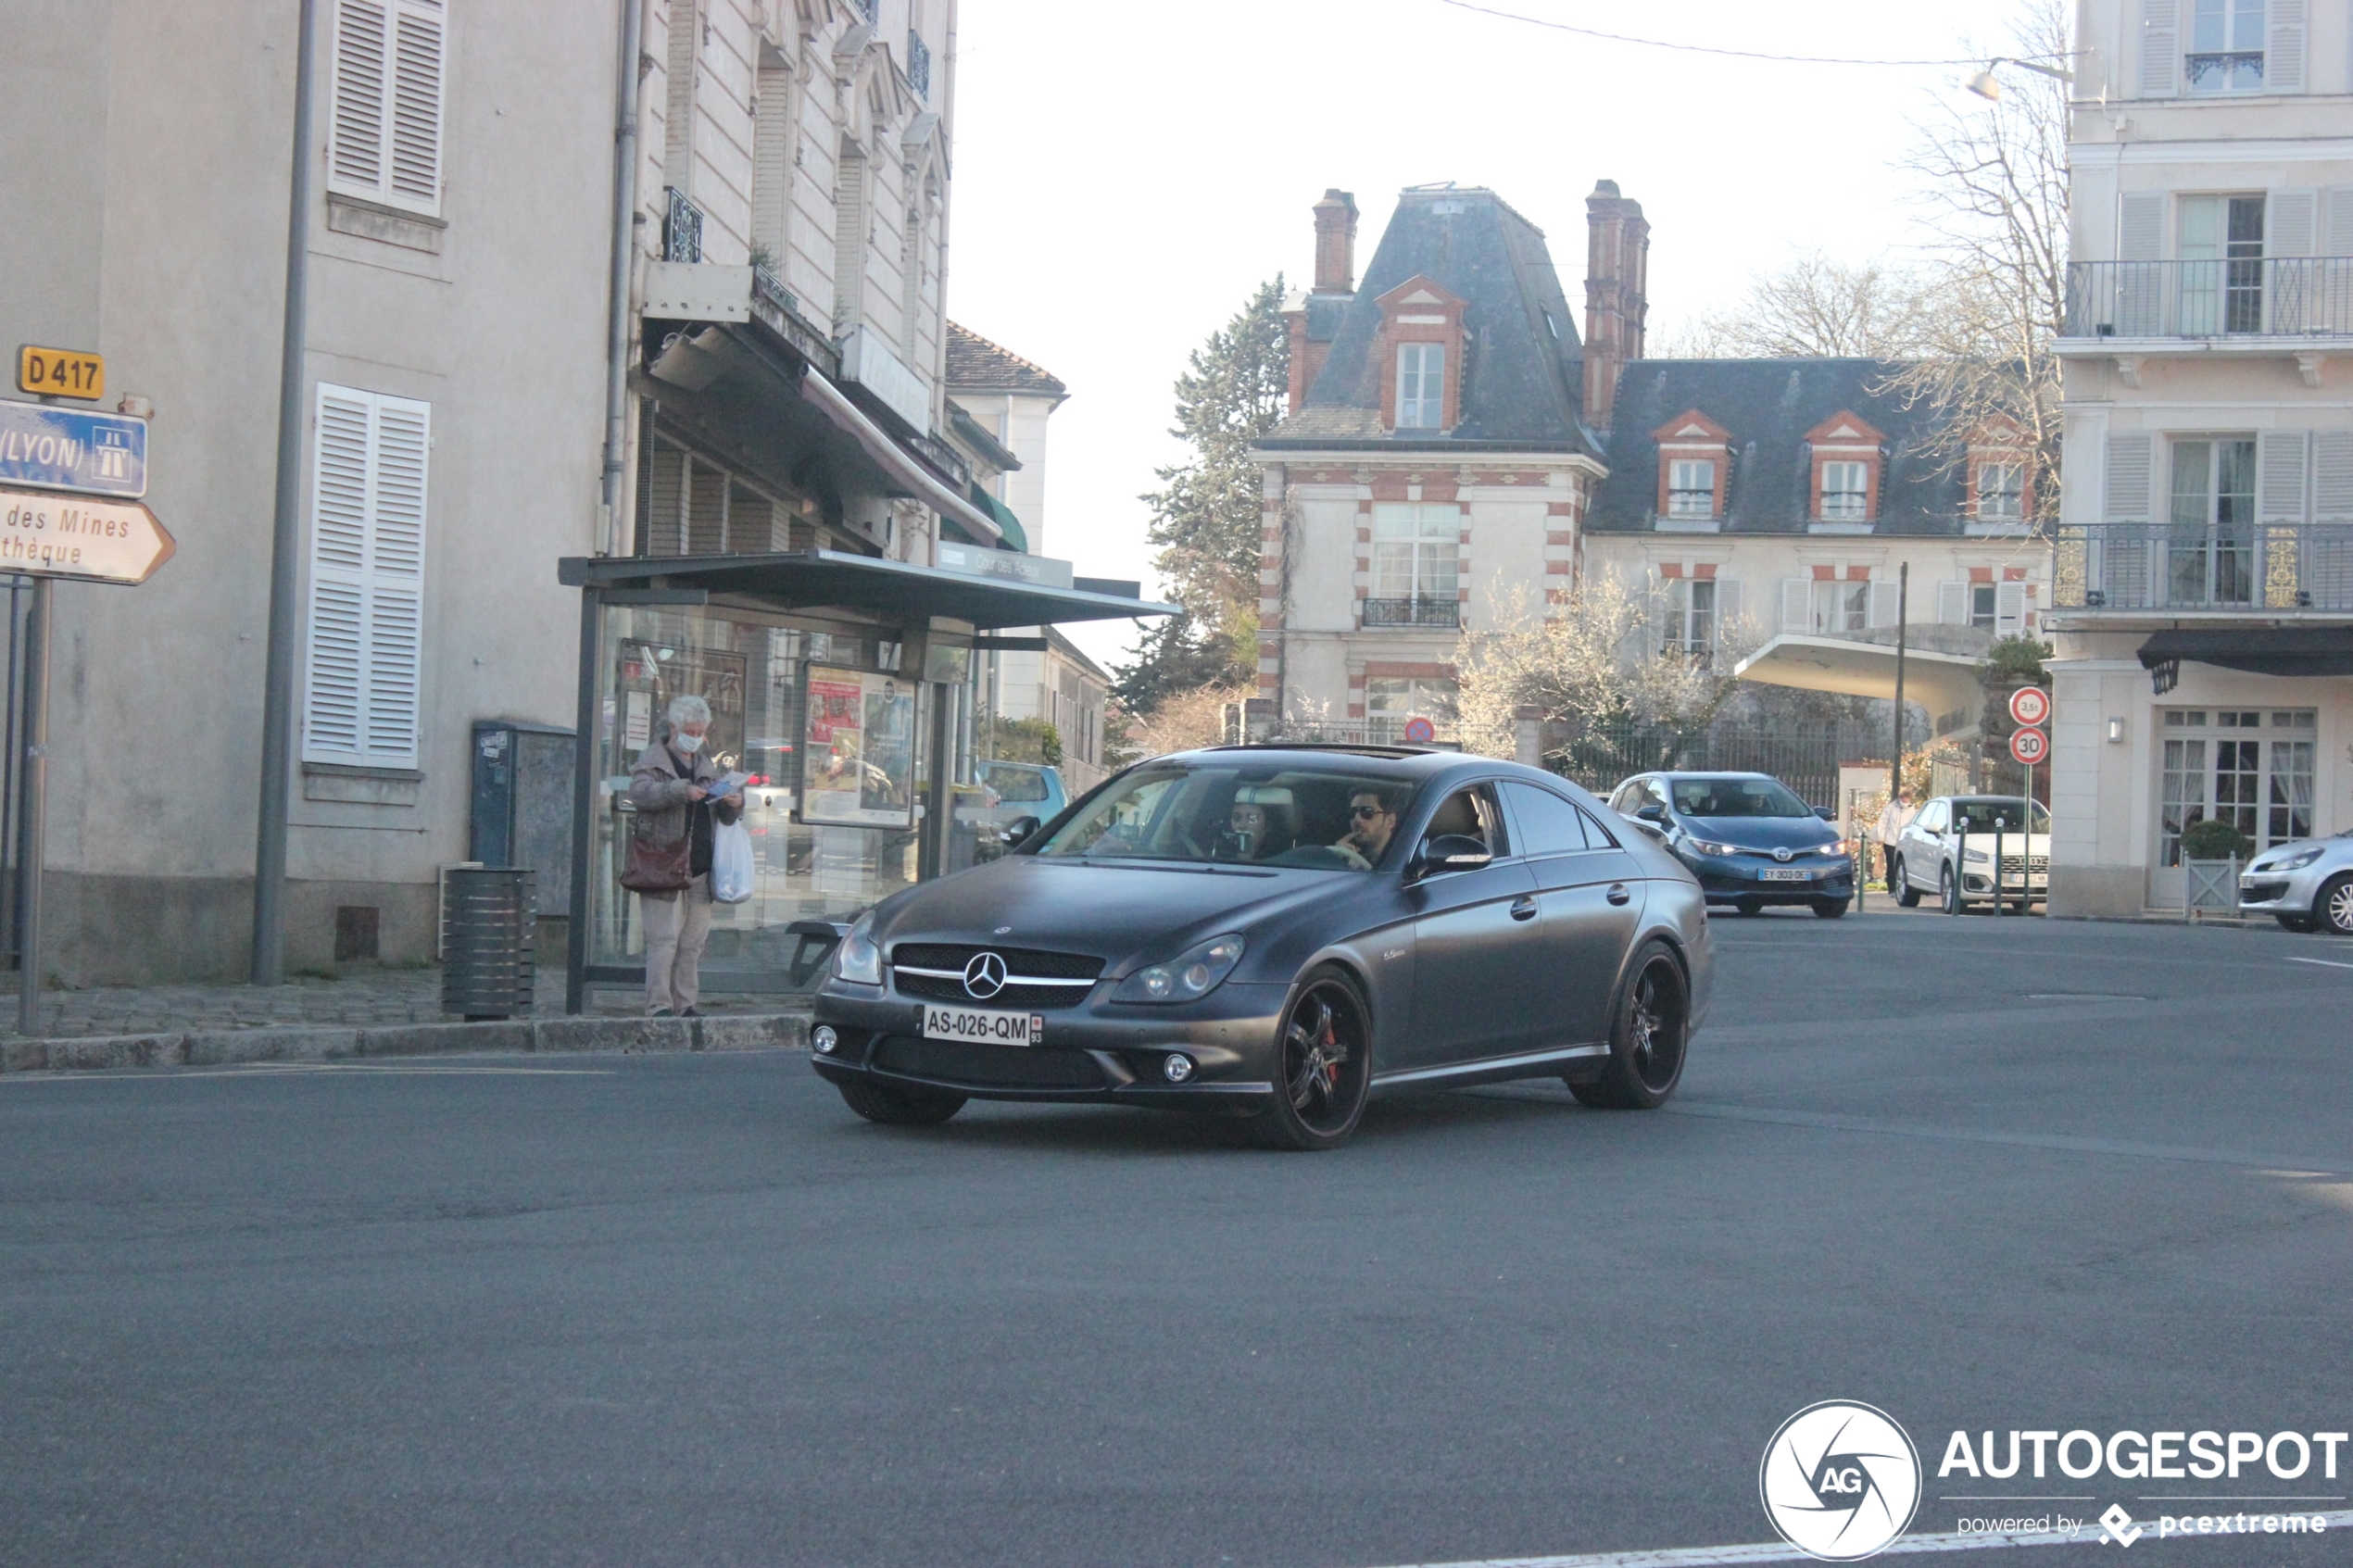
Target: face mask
687 744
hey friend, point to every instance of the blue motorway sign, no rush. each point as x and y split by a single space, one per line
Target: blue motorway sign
69 449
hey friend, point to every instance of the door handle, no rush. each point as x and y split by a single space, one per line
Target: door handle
1618 893
1524 907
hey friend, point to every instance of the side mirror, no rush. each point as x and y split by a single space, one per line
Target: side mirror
1019 829
1828 813
1451 852
1654 813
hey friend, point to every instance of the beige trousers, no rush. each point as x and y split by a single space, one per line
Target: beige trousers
676 930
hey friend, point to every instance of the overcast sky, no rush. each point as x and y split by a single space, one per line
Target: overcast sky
1127 173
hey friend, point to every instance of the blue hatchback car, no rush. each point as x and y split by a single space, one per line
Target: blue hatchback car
1747 837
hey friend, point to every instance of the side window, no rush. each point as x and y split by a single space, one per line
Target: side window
1548 825
1596 836
1624 799
1654 794
1933 817
1472 814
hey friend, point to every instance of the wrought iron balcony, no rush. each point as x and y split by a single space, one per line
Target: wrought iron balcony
2254 567
1445 611
918 65
2275 296
681 228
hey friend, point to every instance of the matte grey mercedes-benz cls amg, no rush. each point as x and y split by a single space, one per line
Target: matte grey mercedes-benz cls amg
1277 931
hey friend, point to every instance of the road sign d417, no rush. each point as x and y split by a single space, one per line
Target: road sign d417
2030 705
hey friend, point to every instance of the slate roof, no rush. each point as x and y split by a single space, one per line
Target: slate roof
1522 373
975 364
1769 405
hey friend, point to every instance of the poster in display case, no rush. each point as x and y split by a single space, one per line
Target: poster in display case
857 765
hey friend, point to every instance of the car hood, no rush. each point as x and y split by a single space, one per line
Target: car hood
1764 832
2339 849
1125 914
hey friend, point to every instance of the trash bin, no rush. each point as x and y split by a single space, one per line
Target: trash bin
488 925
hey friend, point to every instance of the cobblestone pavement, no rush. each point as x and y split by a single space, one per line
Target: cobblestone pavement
367 996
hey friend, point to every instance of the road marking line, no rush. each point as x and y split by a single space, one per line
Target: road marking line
1781 1551
2324 963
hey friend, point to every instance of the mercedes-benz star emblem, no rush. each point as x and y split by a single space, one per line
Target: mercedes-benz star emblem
985 976
1781 855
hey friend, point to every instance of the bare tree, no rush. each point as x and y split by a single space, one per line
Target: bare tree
1815 304
1993 185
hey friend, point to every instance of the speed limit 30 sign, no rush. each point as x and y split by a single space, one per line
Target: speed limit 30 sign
2030 745
2029 706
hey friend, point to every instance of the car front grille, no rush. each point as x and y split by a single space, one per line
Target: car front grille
2261 892
988 1067
935 971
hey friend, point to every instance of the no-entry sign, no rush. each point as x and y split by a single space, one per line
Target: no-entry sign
2030 705
45 534
2030 745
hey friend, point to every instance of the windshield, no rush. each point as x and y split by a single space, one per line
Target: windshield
1980 815
1737 798
1240 814
1016 784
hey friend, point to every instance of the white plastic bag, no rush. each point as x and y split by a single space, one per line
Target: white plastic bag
731 869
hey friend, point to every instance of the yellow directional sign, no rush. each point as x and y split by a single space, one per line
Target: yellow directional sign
60 372
43 534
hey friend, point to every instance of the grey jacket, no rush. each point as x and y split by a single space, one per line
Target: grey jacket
659 791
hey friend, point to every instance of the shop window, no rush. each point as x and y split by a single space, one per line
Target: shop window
2251 768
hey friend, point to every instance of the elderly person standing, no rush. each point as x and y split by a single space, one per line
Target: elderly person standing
1888 832
670 787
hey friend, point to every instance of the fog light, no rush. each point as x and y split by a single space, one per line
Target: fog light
824 1039
1176 1069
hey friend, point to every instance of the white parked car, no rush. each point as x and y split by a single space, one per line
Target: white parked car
2308 884
1948 850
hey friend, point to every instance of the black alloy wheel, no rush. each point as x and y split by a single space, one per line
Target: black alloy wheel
1647 1038
1322 1064
894 1106
2332 911
1948 891
1906 896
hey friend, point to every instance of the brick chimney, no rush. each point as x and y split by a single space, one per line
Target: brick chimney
1616 277
1336 244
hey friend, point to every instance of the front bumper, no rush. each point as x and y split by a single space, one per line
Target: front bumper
2283 892
1727 879
1099 1052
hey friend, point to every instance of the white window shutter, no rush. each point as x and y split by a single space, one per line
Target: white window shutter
1797 604
2290 219
2278 476
356 152
2283 57
1728 608
2130 458
2009 609
1882 611
772 145
366 578
417 74
1952 604
2140 232
2161 49
2340 222
2333 475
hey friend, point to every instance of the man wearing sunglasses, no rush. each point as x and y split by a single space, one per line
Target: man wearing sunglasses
1371 821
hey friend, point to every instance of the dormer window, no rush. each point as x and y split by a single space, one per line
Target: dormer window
1694 458
2001 492
1421 386
1690 488
1846 489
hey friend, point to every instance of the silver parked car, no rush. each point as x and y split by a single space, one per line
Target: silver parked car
2307 885
1948 846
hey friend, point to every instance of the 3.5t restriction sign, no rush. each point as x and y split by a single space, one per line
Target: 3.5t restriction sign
2029 706
2030 745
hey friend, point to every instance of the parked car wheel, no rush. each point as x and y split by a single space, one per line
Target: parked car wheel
1749 906
2298 922
1325 1065
1906 896
1647 1038
2334 909
1948 892
1830 909
901 1108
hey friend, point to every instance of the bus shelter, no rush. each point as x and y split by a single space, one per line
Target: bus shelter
842 684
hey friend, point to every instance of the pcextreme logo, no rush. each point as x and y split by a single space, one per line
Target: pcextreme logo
1840 1480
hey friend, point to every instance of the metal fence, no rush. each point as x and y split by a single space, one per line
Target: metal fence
2270 297
2249 566
1804 757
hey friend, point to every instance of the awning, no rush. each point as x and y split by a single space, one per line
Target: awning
2259 651
809 579
893 459
1015 534
1944 684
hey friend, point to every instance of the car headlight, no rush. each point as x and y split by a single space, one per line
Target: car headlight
2294 862
1704 847
1189 977
1844 848
1975 856
858 960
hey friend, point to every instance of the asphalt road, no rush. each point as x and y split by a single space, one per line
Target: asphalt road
1983 1175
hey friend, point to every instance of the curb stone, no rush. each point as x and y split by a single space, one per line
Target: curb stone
226 1048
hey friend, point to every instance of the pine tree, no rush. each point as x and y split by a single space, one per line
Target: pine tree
1205 519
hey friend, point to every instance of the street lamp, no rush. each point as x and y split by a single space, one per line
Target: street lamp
1985 86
